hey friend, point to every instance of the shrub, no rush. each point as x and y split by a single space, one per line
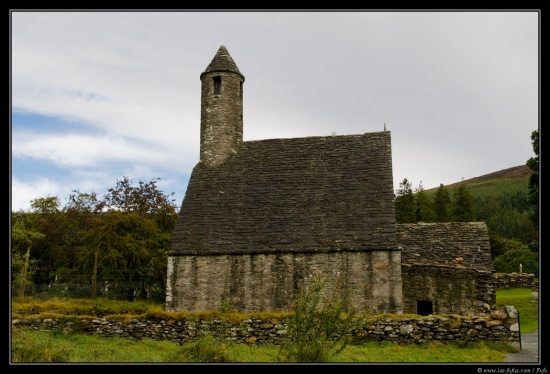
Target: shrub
509 261
320 326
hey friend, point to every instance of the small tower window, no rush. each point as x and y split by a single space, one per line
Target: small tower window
217 85
241 90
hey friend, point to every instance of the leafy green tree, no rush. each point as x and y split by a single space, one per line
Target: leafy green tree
533 164
500 245
510 261
78 218
442 204
507 216
125 249
117 243
46 216
84 202
424 205
117 253
405 207
486 207
22 238
497 244
462 206
517 200
145 198
513 224
48 204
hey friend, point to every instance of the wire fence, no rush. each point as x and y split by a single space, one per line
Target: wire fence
117 290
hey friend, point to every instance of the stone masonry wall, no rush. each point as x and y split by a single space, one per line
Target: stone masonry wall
498 326
466 292
515 280
270 282
221 118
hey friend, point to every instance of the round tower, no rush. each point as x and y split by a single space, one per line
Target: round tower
221 109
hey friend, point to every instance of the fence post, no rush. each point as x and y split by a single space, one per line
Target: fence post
519 330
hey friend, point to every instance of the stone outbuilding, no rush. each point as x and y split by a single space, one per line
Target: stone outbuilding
446 268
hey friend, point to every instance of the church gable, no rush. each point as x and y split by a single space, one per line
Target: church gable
313 194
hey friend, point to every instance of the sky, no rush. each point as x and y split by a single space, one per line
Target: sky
98 96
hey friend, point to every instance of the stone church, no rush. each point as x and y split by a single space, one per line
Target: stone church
262 218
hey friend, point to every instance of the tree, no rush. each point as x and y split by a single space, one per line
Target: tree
441 204
462 206
513 224
146 198
405 207
22 239
424 205
117 252
510 261
48 204
46 216
533 163
125 248
90 243
84 202
500 245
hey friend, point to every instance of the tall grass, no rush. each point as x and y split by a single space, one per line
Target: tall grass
49 347
71 306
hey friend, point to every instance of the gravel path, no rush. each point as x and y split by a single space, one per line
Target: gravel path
529 349
529 345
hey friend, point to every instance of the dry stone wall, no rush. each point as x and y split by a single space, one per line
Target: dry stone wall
515 280
500 325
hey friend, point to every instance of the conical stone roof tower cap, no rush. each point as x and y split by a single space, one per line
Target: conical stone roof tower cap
222 62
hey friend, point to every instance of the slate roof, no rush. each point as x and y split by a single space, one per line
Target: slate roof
443 243
312 194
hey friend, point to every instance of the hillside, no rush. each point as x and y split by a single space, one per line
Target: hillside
500 199
516 172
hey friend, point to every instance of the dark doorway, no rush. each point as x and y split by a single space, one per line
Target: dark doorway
424 308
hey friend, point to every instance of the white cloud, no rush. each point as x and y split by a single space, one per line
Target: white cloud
23 193
458 90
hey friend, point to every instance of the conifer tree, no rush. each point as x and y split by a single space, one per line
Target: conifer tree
462 207
441 204
405 207
424 205
533 164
